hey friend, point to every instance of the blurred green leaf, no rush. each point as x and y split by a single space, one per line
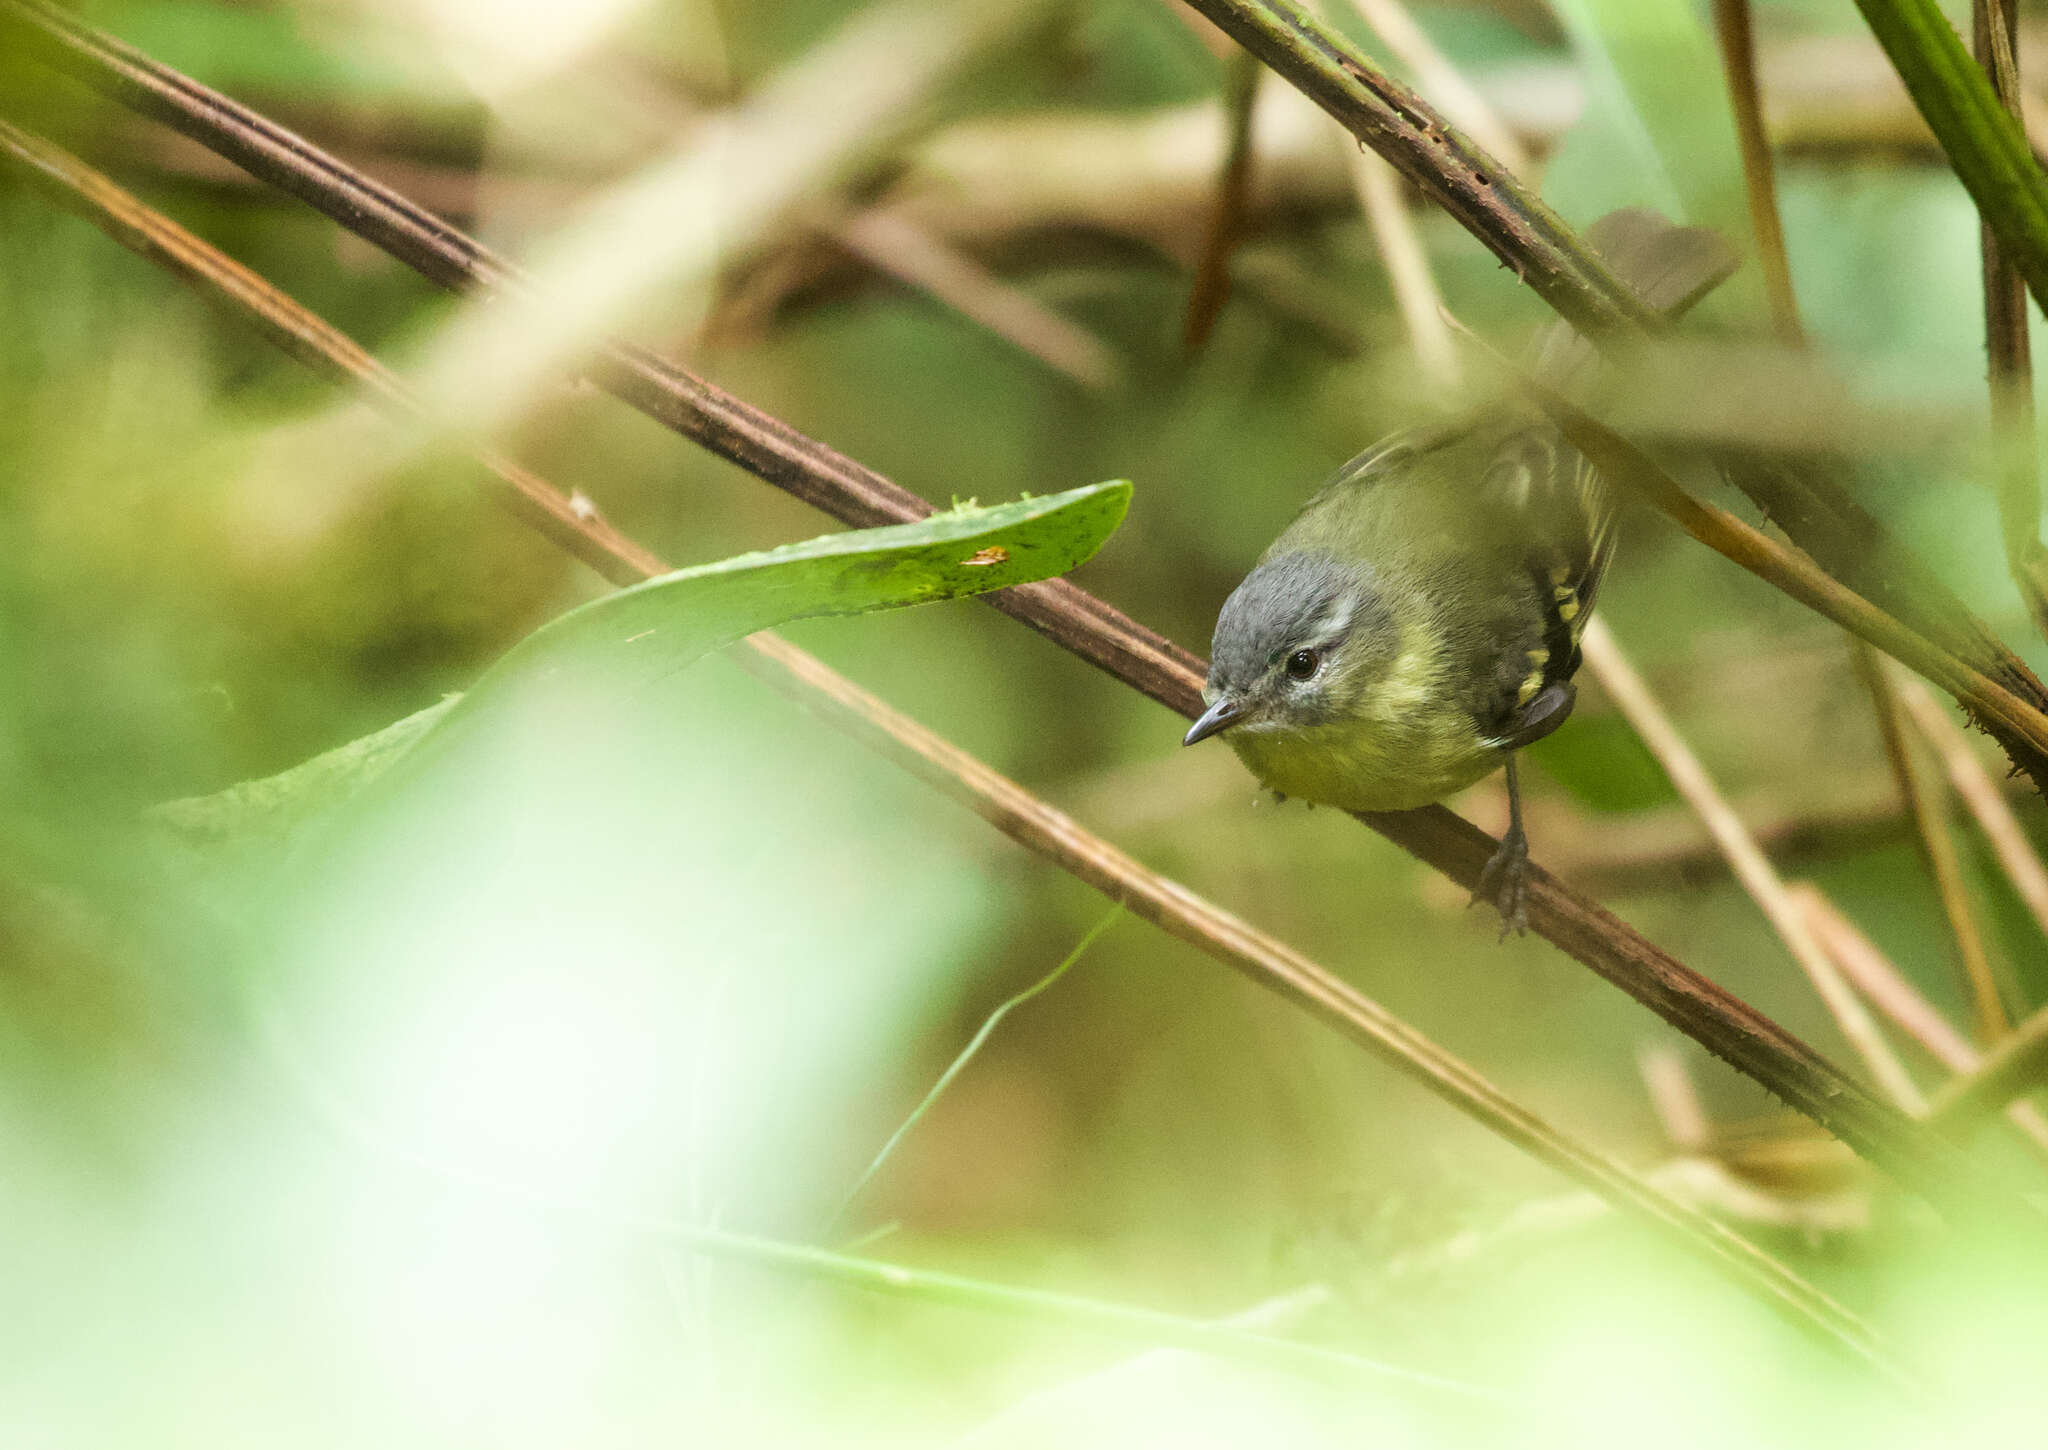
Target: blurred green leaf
645 633
1656 94
1604 765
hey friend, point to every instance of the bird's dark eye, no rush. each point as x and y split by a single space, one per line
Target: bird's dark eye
1302 663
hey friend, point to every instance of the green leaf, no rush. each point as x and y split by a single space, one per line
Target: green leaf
650 631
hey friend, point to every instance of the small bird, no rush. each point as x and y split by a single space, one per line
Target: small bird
1419 621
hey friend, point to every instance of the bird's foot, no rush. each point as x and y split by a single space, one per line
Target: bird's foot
1504 884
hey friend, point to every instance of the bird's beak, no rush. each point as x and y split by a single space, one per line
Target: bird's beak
1219 717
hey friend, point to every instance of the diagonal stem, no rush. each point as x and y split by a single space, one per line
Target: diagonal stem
1738 60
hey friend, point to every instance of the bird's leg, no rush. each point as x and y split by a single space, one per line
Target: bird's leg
1504 880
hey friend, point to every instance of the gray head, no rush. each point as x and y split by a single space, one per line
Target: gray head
1298 644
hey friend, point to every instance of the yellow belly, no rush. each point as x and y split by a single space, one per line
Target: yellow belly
1368 765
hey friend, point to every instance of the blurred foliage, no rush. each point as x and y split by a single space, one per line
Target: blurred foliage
691 956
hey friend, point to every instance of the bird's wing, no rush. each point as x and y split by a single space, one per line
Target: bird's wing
1557 511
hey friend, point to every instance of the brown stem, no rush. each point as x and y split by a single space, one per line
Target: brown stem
1076 620
1211 287
1738 60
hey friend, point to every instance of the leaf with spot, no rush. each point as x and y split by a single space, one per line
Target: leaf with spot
650 631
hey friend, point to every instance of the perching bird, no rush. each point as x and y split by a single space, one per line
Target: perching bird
1419 621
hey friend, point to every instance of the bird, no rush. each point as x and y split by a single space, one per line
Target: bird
1418 623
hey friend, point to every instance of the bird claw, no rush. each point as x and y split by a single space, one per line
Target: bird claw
1504 884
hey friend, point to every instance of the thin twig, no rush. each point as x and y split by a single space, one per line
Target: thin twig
2017 1065
1937 849
1230 205
1984 798
1415 290
1072 618
1994 31
1738 60
1898 999
1155 898
1619 678
907 252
